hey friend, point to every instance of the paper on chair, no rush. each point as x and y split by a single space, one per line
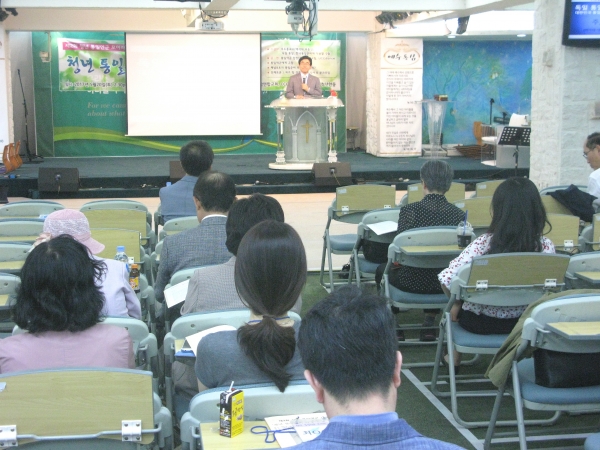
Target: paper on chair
307 425
176 294
380 228
194 339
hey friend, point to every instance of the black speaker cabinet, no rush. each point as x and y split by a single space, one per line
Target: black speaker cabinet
58 180
332 174
176 172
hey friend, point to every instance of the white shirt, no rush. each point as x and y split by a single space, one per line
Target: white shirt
594 183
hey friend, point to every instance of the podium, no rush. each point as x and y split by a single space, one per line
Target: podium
306 132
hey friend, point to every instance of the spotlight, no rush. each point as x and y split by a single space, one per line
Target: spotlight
462 24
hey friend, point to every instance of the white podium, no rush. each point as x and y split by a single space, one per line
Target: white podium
306 132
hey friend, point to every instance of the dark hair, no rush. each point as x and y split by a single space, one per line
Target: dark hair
215 191
518 217
270 272
305 57
437 175
592 140
348 342
58 290
247 212
196 157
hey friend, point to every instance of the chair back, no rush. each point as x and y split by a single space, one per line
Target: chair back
415 193
30 209
175 226
363 198
365 233
77 404
564 233
111 238
553 206
12 256
510 279
480 214
182 275
122 219
118 204
20 230
487 188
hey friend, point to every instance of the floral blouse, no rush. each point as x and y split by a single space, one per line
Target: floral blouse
478 247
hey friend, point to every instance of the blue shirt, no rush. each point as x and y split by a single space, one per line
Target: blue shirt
177 200
383 431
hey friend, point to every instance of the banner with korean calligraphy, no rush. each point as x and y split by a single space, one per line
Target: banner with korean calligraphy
401 83
91 65
280 61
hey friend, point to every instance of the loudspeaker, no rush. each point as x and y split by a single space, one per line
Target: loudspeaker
176 172
58 180
332 174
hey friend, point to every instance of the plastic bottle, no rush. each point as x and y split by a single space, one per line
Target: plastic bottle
134 278
121 256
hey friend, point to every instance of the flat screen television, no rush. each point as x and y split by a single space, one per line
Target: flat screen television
582 23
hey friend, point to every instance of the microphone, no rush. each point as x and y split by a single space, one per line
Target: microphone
492 100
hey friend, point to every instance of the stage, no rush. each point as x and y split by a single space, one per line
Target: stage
143 176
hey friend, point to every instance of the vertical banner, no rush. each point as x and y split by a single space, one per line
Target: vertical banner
401 82
280 61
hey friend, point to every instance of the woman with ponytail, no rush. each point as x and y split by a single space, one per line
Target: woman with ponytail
270 272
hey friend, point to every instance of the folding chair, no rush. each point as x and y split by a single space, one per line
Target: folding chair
358 264
553 206
118 204
9 284
590 235
583 271
175 226
29 209
20 230
260 401
564 232
487 188
425 248
12 256
508 279
158 219
123 219
552 326
83 408
480 212
349 206
415 193
155 259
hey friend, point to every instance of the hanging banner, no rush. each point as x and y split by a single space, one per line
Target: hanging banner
401 83
280 61
91 65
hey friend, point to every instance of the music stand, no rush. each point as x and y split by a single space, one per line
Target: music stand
515 136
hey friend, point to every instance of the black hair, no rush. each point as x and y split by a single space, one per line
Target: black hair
305 57
348 342
196 157
437 175
592 140
518 217
270 272
58 290
247 212
215 191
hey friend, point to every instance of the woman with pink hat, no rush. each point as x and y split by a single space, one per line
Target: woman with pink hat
120 299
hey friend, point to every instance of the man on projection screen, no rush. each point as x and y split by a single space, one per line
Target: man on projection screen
303 84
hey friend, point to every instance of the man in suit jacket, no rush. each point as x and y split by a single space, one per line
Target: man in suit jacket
177 200
214 193
303 84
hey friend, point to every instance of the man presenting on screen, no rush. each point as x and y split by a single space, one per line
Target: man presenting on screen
303 85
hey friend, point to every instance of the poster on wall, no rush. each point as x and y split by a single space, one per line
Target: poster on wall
280 61
401 81
91 65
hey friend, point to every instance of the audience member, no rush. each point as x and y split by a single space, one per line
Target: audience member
591 152
204 245
434 210
518 221
349 349
177 200
213 288
119 297
270 272
60 305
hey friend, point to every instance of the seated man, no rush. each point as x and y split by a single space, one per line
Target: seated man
177 200
214 193
591 151
348 346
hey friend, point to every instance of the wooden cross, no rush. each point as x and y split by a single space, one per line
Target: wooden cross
307 126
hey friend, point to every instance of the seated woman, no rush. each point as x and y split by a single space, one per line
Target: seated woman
518 221
270 272
120 299
60 305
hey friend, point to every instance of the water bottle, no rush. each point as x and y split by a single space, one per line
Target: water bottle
121 256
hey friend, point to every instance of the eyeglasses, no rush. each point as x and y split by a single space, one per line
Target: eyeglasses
585 154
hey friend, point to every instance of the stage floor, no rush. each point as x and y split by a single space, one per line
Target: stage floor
142 176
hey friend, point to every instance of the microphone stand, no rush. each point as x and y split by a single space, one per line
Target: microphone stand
30 157
491 103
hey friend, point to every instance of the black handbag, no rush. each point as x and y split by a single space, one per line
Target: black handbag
566 370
